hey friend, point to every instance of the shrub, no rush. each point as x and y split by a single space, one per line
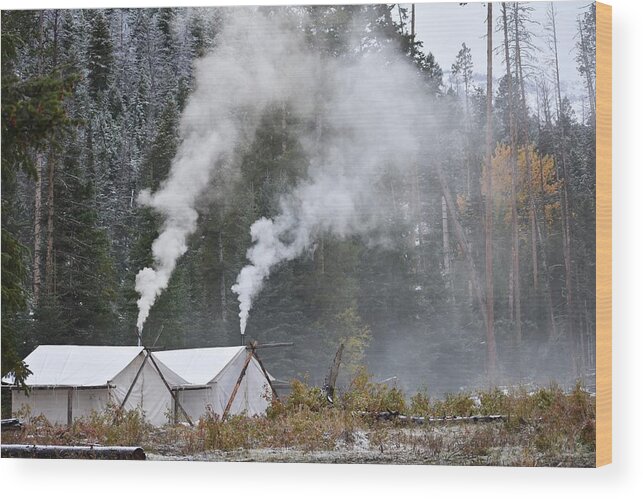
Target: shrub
460 404
365 395
303 396
493 402
420 404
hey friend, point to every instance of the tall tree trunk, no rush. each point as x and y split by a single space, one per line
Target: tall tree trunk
445 240
534 245
526 143
49 260
515 242
37 232
591 95
565 210
223 289
37 226
488 225
413 23
461 237
417 241
543 236
536 235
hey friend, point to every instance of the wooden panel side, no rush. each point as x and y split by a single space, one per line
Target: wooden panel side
603 234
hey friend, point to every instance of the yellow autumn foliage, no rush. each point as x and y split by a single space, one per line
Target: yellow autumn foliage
540 181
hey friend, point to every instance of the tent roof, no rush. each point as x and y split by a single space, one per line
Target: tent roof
198 366
72 365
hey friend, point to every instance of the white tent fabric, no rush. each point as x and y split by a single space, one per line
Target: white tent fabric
198 366
218 369
72 365
90 377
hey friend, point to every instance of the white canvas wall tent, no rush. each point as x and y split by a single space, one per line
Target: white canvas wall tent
220 378
70 381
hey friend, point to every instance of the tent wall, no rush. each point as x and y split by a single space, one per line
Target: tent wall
149 393
195 402
52 403
250 398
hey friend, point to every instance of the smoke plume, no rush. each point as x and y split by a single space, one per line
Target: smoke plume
371 105
375 117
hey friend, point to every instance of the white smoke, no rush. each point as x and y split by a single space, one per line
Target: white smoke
248 70
377 116
376 119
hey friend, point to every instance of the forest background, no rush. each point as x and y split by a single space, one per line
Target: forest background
91 105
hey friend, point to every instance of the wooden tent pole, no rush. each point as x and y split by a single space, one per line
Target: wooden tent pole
70 398
265 373
169 389
131 387
228 406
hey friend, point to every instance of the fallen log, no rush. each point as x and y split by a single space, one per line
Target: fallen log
391 415
10 424
72 452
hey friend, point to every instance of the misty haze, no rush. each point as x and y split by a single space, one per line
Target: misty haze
401 231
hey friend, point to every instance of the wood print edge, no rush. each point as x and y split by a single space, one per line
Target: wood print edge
603 234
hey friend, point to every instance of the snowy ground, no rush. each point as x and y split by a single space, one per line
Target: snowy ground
447 445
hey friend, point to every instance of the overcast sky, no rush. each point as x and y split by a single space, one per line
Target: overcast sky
444 26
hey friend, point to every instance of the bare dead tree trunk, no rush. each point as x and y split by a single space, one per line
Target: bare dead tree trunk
413 22
284 127
591 95
224 303
534 246
515 242
565 210
536 235
543 236
463 243
511 294
416 236
445 239
526 143
488 225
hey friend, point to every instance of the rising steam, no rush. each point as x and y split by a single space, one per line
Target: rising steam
376 121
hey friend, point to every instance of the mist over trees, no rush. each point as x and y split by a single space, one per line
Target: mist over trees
491 240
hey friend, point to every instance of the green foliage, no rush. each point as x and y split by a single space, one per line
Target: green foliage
99 55
420 404
33 118
303 396
102 105
493 402
365 395
460 404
